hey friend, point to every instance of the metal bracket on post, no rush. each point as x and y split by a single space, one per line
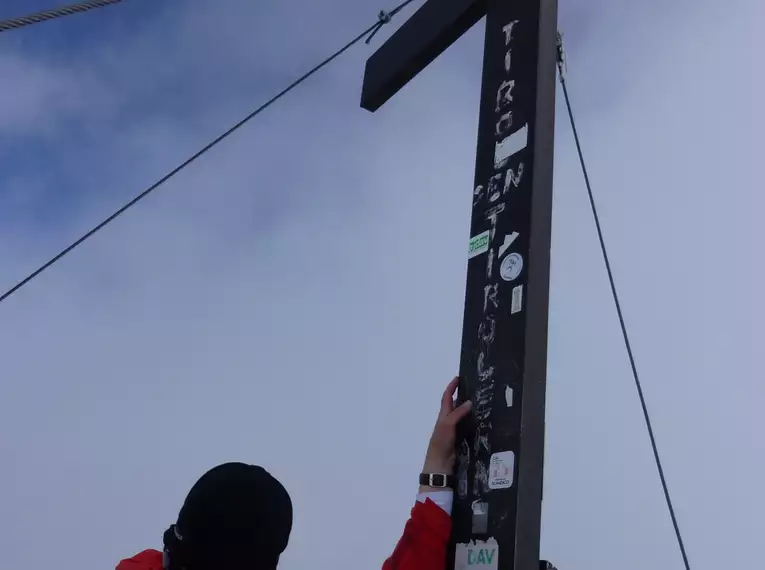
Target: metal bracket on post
562 59
382 18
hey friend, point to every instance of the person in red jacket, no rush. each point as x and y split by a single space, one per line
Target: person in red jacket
239 517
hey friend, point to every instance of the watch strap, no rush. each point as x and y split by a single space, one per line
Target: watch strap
437 480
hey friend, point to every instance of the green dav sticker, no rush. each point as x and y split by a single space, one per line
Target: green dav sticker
477 555
478 244
483 557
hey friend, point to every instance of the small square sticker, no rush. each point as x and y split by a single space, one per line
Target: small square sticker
480 518
516 301
501 470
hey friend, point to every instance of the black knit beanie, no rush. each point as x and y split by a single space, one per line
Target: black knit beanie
236 517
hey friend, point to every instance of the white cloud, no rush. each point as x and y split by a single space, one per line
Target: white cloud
35 94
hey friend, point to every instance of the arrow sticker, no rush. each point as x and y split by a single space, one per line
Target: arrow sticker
509 239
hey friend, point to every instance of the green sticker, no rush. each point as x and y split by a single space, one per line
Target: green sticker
477 555
478 244
481 556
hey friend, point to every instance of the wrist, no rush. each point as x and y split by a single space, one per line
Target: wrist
426 489
432 465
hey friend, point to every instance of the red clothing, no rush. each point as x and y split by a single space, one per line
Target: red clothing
146 560
422 547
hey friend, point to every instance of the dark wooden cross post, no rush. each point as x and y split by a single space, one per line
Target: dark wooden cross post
498 503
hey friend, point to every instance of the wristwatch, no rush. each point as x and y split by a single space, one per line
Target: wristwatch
437 480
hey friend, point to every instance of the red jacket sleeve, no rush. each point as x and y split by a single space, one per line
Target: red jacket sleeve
146 560
423 545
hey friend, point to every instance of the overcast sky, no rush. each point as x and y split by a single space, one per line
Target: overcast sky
295 298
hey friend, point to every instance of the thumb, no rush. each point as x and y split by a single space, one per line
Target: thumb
460 412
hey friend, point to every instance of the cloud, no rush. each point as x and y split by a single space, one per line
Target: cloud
38 93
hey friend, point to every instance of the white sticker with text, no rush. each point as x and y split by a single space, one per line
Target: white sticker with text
501 470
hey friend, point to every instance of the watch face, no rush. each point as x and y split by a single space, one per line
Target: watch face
438 480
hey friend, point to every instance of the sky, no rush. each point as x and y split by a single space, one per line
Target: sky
294 299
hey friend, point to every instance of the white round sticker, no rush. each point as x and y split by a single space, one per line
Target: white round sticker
511 267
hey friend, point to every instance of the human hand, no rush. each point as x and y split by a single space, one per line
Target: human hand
441 454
